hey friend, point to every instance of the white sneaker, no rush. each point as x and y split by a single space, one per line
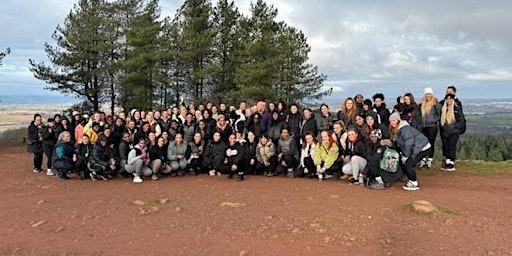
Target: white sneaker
429 163
154 176
137 179
411 186
423 162
50 172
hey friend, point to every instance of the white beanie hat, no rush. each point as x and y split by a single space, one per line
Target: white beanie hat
429 90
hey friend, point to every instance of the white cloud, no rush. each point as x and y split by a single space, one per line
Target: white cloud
492 75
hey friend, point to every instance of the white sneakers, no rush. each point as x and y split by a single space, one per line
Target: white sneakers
411 186
50 172
137 179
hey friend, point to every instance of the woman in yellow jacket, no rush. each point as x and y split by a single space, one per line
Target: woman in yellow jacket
325 157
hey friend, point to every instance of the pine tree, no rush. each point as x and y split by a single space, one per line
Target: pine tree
194 45
226 19
142 39
77 61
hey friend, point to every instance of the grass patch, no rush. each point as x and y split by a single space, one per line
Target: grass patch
477 167
440 210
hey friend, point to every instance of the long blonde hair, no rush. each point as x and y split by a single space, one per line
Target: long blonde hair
427 105
447 114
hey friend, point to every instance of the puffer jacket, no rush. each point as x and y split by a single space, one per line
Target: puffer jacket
410 141
431 119
173 151
288 147
265 152
457 127
323 154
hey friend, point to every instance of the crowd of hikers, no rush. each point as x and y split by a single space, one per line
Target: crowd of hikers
365 142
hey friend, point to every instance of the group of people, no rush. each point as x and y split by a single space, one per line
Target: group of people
365 142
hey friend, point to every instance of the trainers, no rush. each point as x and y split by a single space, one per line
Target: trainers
37 170
411 186
154 176
270 174
137 179
93 176
360 180
327 176
320 177
50 172
102 177
289 173
423 163
429 163
212 173
449 168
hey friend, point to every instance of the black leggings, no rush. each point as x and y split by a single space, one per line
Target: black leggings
431 134
408 167
450 146
38 160
48 151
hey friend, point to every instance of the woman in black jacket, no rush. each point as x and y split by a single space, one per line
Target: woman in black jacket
234 161
213 155
35 141
158 159
453 124
356 152
49 141
83 151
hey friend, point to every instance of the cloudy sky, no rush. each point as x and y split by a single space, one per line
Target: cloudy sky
365 46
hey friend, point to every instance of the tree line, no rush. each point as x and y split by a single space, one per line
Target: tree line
481 147
124 54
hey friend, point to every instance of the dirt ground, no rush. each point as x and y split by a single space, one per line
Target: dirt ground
204 215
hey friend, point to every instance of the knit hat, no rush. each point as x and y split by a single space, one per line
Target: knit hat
394 116
371 114
429 90
75 113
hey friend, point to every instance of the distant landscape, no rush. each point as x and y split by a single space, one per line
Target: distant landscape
484 116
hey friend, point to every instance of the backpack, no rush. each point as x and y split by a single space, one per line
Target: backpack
390 160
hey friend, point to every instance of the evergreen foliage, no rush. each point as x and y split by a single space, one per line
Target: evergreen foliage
123 53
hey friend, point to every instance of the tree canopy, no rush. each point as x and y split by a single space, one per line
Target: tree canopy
124 53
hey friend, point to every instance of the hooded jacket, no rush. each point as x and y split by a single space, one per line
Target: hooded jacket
410 141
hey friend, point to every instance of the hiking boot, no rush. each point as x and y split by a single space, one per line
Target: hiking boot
411 186
137 179
155 176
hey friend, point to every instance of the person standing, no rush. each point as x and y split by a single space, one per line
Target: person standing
413 147
49 141
35 141
453 124
430 115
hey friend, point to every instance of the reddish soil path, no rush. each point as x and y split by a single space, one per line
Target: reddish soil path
42 215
